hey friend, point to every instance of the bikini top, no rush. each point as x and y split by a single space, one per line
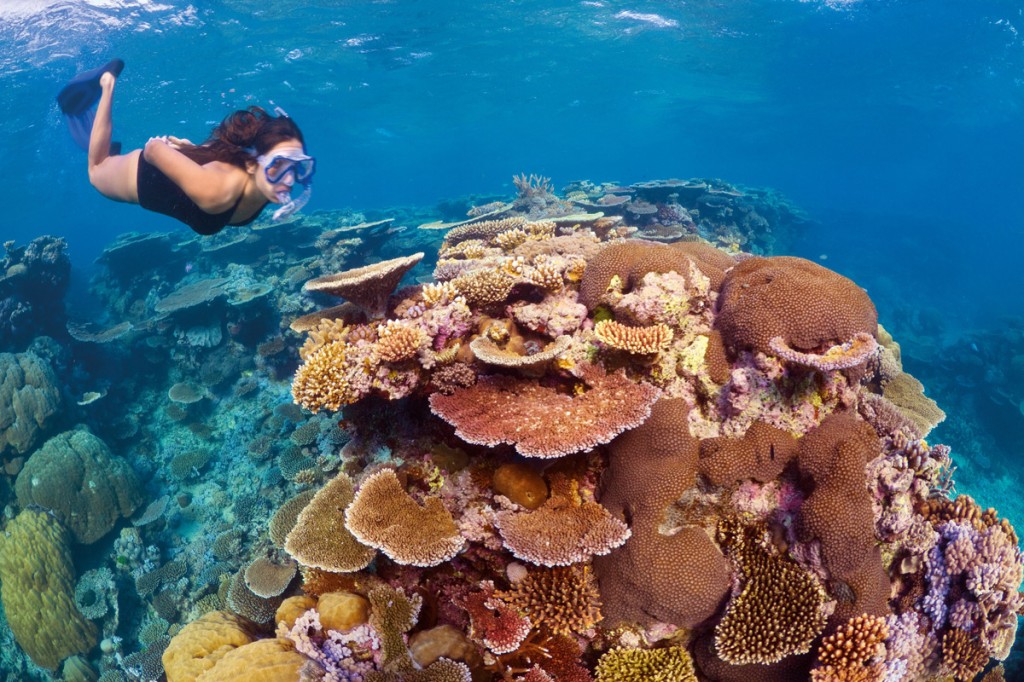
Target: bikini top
159 193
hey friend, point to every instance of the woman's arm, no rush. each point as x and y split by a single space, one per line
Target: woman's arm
212 189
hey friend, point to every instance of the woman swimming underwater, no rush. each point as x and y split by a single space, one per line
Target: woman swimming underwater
252 158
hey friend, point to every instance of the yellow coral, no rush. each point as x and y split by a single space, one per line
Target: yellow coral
265 660
398 341
201 644
38 588
323 333
672 664
322 382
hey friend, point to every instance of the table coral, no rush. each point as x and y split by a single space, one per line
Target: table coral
384 516
542 421
368 287
320 538
37 585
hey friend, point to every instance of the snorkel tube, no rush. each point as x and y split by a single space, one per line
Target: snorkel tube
291 205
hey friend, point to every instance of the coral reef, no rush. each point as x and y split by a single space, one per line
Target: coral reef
612 445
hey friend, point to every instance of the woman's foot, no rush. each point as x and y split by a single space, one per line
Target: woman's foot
107 81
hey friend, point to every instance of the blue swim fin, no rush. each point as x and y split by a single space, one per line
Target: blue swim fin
78 100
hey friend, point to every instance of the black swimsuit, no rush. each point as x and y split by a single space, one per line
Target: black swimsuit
159 193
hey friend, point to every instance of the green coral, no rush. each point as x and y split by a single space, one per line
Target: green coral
37 586
75 476
672 664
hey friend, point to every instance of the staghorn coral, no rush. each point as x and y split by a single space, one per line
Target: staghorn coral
369 286
778 611
670 664
37 585
320 538
384 516
564 530
541 421
563 600
635 340
854 652
810 308
75 475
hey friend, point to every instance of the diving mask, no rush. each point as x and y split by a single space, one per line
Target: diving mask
277 167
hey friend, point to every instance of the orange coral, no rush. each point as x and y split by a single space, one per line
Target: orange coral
321 383
397 341
201 644
635 340
385 516
810 307
540 420
854 652
521 484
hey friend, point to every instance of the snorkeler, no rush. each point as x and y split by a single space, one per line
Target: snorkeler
252 158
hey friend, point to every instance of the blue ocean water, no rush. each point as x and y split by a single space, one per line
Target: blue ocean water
894 124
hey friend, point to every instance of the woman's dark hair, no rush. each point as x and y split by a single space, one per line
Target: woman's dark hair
235 138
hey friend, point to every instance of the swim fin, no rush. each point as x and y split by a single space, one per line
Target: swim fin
78 100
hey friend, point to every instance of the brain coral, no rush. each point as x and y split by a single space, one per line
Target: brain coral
682 578
629 261
37 585
76 476
812 308
29 401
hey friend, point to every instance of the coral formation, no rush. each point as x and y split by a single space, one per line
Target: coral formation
37 585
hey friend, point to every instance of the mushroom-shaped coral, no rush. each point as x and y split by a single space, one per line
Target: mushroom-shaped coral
778 611
563 531
541 421
853 353
320 539
383 515
809 307
369 286
490 353
634 340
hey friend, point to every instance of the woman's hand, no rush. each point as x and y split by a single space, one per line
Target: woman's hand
170 141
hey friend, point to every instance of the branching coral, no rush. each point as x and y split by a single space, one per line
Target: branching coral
635 340
541 421
854 652
563 600
671 664
777 613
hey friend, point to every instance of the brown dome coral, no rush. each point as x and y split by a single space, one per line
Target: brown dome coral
810 307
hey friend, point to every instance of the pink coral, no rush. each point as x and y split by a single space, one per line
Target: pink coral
542 421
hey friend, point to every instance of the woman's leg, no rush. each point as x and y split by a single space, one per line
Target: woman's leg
113 176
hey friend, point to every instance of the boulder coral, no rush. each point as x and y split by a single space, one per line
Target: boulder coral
30 402
37 585
87 487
